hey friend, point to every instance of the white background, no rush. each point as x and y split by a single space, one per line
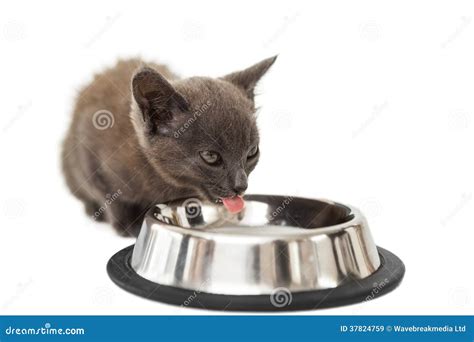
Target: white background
369 103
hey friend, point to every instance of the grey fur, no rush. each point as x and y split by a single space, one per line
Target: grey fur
151 152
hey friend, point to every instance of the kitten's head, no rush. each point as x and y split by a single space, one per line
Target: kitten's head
199 133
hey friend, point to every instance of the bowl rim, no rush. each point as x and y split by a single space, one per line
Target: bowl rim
356 219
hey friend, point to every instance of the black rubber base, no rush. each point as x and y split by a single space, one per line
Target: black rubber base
385 279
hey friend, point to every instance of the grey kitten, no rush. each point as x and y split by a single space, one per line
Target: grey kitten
143 137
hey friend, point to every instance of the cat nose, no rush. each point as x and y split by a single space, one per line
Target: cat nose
240 183
240 189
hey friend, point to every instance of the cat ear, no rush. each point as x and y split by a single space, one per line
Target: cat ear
247 79
155 101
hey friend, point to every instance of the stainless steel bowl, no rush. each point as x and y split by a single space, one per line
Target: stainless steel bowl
309 253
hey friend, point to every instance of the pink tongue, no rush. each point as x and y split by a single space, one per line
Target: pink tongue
234 204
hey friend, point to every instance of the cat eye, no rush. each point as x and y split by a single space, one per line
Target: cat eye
210 157
253 152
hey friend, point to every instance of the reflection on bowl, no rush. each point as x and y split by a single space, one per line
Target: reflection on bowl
306 247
